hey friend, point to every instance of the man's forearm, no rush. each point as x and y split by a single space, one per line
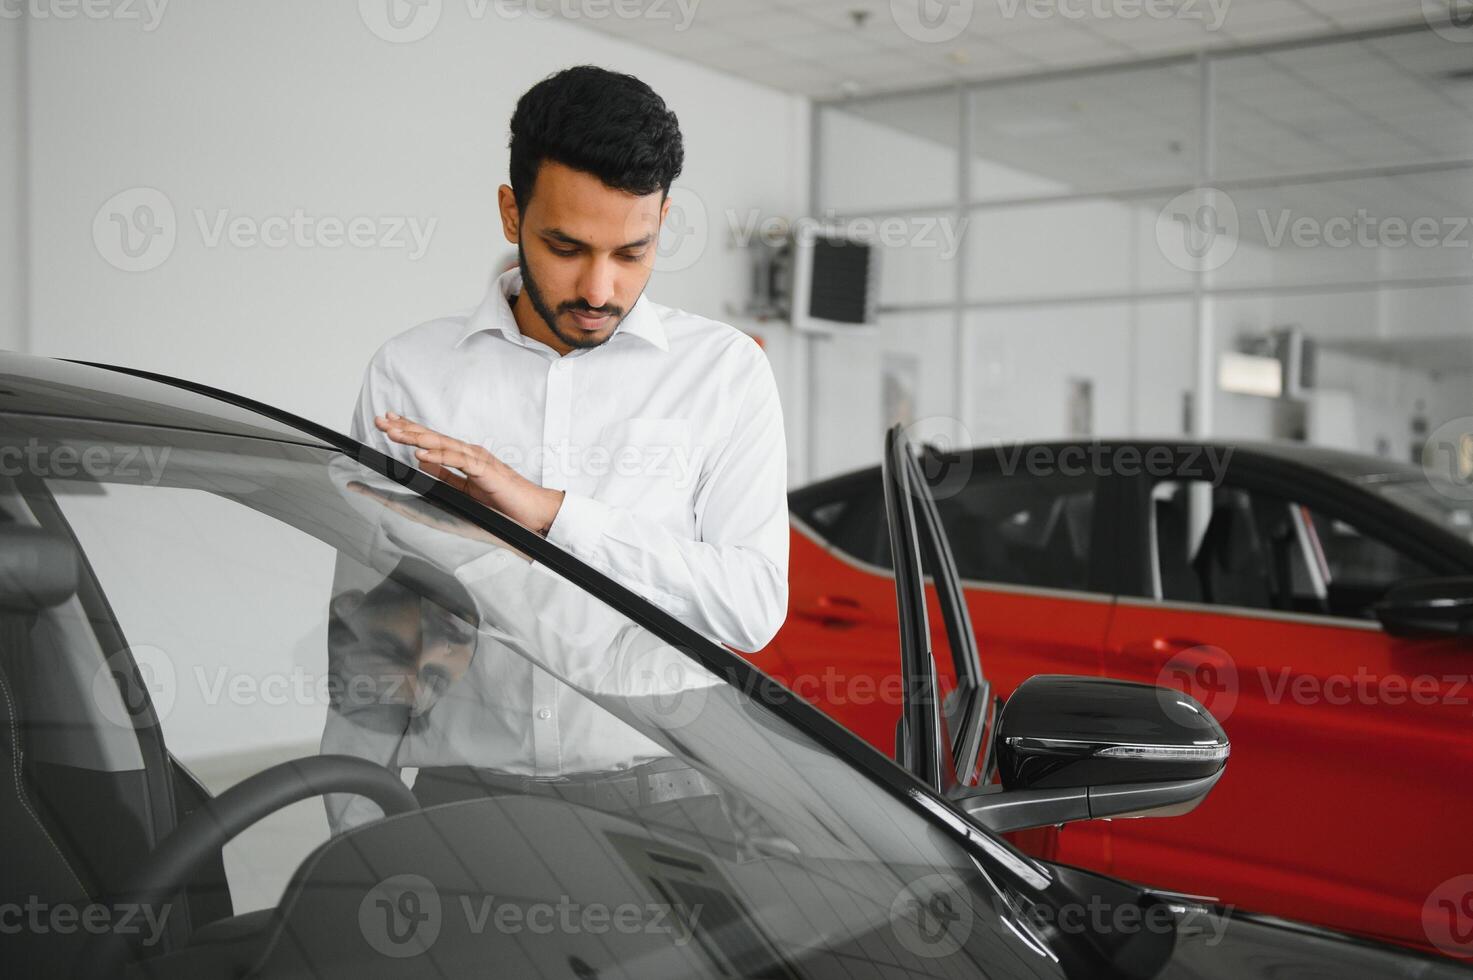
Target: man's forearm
735 592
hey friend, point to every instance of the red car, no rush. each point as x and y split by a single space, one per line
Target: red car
1314 601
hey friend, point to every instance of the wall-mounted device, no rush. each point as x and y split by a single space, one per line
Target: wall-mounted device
1296 353
816 278
1278 364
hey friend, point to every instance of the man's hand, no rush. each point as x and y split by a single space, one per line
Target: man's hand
476 472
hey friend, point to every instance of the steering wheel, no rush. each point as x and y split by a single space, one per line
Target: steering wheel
213 825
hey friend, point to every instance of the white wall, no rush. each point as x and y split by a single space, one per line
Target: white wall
12 186
275 105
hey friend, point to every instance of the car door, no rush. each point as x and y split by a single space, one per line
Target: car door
838 648
1032 529
1257 602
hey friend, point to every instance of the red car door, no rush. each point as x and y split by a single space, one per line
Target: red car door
1034 547
1350 747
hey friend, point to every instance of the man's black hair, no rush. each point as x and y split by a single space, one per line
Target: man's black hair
601 122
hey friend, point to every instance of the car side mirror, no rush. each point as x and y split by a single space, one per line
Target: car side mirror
1082 748
1432 605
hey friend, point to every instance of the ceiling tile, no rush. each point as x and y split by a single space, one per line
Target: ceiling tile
831 44
694 40
747 59
816 45
1054 42
715 11
773 23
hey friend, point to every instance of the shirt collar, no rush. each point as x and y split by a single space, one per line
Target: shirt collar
495 313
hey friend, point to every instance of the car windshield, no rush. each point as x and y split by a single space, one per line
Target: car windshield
594 801
1442 502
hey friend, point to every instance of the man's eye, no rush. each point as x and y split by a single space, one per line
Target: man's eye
631 256
564 252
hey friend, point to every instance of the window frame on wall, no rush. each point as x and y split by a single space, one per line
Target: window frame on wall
1204 289
966 204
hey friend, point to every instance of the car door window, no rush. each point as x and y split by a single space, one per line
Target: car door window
1230 546
1014 529
851 518
1022 530
1358 569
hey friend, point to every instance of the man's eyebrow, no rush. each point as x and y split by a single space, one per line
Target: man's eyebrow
557 234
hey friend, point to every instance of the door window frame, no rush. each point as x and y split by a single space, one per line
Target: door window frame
1331 496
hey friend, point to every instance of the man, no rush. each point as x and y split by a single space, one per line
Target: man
645 440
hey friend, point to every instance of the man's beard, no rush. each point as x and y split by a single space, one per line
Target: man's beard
539 303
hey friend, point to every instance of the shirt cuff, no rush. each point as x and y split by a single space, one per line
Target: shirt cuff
579 524
486 566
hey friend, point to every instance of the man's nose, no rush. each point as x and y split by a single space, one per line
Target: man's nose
596 287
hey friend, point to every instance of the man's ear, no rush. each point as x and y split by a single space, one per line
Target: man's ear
511 218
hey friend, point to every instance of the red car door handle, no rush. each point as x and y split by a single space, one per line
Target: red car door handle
834 610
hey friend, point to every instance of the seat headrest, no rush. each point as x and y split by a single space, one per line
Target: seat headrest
38 568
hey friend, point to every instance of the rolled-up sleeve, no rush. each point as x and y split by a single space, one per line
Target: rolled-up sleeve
731 581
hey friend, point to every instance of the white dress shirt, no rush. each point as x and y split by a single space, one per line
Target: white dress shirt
546 654
667 440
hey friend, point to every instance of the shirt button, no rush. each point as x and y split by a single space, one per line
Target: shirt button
544 714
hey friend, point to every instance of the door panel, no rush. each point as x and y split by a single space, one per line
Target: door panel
840 647
1349 746
1350 754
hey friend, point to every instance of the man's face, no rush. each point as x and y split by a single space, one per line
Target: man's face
390 646
586 251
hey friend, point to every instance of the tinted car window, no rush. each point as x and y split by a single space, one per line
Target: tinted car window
1021 530
1224 546
1358 569
850 516
1230 546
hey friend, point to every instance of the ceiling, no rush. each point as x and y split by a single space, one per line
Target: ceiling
1375 99
1359 104
1363 102
834 48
